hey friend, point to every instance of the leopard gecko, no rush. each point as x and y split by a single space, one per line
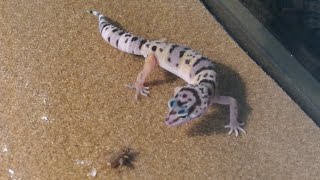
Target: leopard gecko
190 101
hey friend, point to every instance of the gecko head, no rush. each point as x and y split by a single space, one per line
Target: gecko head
189 102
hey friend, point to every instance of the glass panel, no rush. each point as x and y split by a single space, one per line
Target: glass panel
296 23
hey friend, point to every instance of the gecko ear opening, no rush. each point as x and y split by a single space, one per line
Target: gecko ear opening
177 89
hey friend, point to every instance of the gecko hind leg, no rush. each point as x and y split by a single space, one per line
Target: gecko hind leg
150 63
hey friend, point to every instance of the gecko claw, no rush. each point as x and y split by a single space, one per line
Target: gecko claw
235 127
144 91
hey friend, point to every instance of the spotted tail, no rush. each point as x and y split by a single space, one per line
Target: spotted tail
117 37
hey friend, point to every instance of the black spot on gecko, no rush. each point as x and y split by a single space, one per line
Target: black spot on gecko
187 61
209 92
195 95
189 99
184 96
126 41
169 60
175 120
148 45
205 75
142 42
117 42
134 38
177 65
211 75
127 35
198 61
116 29
109 39
103 26
204 68
120 33
154 48
181 54
160 49
209 82
172 48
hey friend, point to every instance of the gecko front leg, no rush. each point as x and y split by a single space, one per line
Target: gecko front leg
234 125
150 63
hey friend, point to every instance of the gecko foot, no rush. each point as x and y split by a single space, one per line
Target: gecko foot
236 127
140 89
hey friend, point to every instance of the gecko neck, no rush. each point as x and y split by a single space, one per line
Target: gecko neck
208 81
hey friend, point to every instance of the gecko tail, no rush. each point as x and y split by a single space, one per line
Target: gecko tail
117 37
96 13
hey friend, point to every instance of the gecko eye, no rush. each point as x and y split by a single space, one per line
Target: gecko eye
171 102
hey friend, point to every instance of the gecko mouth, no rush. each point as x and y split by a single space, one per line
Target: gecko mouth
172 122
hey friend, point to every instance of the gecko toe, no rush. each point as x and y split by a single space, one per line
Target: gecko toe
143 93
235 129
140 90
146 91
242 130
